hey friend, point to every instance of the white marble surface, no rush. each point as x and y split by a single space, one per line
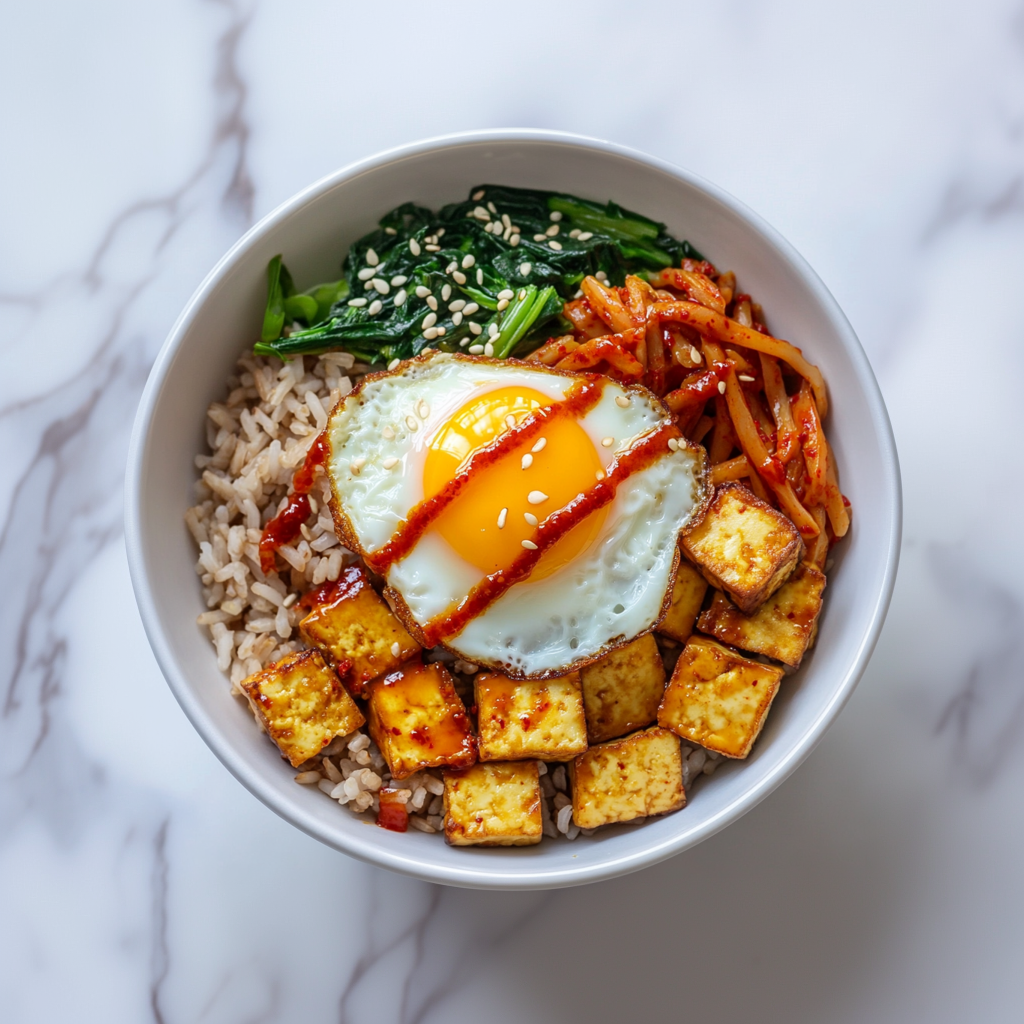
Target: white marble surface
139 882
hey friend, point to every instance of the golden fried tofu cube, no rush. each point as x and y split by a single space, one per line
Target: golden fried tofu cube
622 690
418 720
301 703
687 597
633 777
493 804
782 628
358 628
744 547
541 718
718 698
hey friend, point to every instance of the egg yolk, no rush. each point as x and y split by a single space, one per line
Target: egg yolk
561 462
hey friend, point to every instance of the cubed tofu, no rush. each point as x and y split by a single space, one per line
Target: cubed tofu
629 778
782 628
301 703
718 698
530 718
622 690
418 720
493 804
357 627
744 547
687 597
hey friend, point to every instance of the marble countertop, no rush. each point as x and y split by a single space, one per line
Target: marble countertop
140 882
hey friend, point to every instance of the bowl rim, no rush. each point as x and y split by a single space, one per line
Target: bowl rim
469 875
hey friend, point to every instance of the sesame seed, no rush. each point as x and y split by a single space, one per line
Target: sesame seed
368 285
399 279
475 350
721 387
506 293
502 305
396 649
492 330
673 444
536 497
540 237
481 214
393 363
441 331
507 221
510 420
460 277
476 329
410 422
432 302
488 349
694 354
575 233
745 377
456 305
390 463
514 240
357 302
400 297
492 207
539 446
527 461
375 307
502 517
470 309
529 545
556 215
390 231
552 231
431 333
429 320
477 196
600 474
464 342
468 260
451 266
372 258
488 227
438 233
607 442
388 433
479 275
585 236
427 351
357 464
290 600
422 291
382 286
433 248
525 269
422 409
530 518
557 246
621 401
446 292
414 247
457 318
366 273
522 295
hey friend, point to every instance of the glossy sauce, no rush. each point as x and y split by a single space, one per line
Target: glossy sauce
392 814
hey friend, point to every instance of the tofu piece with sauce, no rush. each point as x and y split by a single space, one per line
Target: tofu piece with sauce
301 703
782 628
687 597
622 690
418 720
717 698
632 777
541 718
493 804
744 546
357 626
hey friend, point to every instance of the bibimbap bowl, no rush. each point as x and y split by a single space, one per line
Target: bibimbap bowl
314 230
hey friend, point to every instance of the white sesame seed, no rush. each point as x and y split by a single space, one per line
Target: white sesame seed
464 342
694 354
721 387
556 215
525 269
479 275
492 330
477 196
514 240
357 464
410 422
488 349
422 409
441 331
400 297
446 292
481 214
366 273
429 320
399 279
427 351
456 305
488 227
530 518
579 293
541 237
527 461
507 221
522 294
470 309
529 545
502 305
433 248
414 247
382 286
393 363
585 236
745 377
468 260
552 231
460 277
431 333
476 329
600 474
388 433
368 286
506 293
372 258
510 420
539 446
673 444
575 233
432 302
375 307
492 207
396 649
390 462
601 276
390 231
475 350
457 318
451 266
536 497
422 291
557 246
439 233
357 302
502 517
607 442
621 401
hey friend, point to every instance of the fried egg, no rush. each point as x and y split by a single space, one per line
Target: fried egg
447 469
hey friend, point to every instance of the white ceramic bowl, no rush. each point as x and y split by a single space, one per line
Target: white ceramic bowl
314 231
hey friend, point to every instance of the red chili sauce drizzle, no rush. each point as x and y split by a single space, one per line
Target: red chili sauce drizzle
392 814
287 524
552 529
579 399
